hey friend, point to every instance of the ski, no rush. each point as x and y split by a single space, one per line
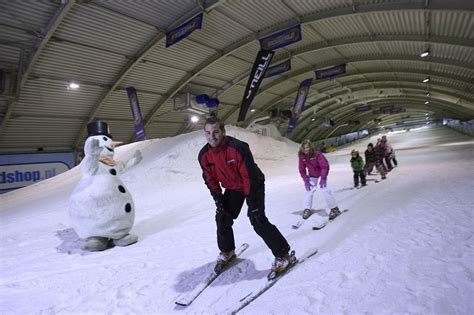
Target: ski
326 223
249 298
300 222
191 296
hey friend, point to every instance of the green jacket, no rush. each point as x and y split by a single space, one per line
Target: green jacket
357 164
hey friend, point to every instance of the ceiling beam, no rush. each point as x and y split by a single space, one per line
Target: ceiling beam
41 42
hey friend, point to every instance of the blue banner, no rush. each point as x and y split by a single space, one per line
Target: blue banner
388 110
260 66
299 103
365 108
279 68
330 72
184 30
281 39
138 123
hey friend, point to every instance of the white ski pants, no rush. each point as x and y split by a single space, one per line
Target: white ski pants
325 192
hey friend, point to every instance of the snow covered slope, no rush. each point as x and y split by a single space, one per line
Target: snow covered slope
405 246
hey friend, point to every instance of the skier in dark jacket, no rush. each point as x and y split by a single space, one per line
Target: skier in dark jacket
372 158
228 162
357 164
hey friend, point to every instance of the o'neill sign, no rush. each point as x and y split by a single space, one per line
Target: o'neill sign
259 68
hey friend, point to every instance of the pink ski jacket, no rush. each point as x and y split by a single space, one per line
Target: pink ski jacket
313 166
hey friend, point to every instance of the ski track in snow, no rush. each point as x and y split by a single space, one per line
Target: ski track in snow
405 246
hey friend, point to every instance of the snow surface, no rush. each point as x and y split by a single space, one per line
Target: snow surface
405 246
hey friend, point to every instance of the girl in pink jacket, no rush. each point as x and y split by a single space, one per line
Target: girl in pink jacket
314 167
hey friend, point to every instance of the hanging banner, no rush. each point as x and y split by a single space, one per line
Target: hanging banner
279 68
364 108
184 30
299 103
259 68
137 115
330 72
283 38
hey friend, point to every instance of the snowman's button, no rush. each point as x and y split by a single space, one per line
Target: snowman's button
113 171
121 188
128 207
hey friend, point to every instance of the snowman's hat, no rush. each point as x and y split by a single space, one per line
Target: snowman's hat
98 128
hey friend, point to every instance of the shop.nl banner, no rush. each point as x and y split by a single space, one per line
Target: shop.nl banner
259 68
283 38
279 68
184 30
138 123
299 103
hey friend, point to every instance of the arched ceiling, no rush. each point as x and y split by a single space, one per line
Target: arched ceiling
107 46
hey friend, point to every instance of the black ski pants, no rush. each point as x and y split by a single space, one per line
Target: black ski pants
233 202
360 174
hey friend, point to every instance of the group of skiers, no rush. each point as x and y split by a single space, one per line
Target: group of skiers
379 156
232 177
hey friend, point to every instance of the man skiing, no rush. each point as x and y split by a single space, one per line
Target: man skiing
228 162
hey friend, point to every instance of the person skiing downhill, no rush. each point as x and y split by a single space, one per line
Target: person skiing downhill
357 164
372 158
313 166
228 162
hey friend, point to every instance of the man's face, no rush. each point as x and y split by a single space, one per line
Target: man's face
214 135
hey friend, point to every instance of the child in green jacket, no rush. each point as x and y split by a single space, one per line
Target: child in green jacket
357 164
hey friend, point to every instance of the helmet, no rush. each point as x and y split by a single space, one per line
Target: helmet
354 151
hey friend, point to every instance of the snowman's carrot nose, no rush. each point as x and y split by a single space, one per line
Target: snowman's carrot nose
116 143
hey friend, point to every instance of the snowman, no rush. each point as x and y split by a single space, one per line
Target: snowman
101 208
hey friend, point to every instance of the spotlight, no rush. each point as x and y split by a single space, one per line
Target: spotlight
73 86
426 80
425 53
252 110
313 119
194 119
427 102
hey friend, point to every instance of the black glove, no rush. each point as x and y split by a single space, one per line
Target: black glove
219 201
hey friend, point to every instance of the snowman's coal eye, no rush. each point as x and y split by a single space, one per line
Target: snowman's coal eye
104 138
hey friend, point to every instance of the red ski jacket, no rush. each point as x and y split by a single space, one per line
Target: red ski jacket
231 164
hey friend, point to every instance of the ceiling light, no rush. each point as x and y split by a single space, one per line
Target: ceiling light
73 86
426 114
426 80
425 53
313 119
252 110
194 119
427 93
427 102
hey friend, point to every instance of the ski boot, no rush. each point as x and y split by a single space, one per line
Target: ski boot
335 212
307 213
223 260
282 264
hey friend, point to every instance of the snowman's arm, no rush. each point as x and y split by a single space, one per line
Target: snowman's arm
90 165
137 157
